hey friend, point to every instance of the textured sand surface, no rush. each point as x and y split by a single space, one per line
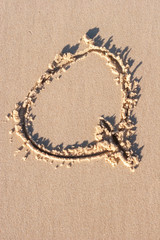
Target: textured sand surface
90 200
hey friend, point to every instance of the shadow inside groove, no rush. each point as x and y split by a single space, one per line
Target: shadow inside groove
124 55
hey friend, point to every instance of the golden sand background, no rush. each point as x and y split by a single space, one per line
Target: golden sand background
91 200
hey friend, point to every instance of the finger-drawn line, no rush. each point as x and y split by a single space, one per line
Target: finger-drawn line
113 145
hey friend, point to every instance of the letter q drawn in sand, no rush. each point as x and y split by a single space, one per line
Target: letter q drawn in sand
110 144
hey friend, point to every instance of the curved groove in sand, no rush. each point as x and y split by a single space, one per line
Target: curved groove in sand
117 147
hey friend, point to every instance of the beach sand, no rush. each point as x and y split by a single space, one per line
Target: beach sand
90 200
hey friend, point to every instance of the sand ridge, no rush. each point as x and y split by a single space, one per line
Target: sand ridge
110 144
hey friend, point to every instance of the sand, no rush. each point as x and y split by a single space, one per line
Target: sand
90 199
